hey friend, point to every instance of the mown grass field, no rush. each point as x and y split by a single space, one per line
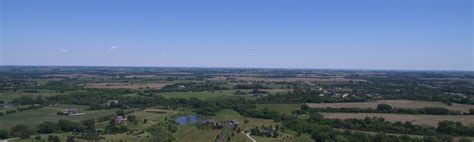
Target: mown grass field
431 120
34 117
394 103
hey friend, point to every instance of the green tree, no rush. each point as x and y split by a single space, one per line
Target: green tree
21 131
384 108
276 134
47 127
89 125
160 134
131 118
465 140
38 138
4 134
120 113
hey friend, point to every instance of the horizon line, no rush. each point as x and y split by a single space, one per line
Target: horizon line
229 67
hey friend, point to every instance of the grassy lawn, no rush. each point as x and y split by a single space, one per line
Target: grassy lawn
282 108
153 116
34 117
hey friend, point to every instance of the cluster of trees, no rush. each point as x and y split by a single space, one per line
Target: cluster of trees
28 100
114 128
455 128
251 86
163 131
408 87
47 127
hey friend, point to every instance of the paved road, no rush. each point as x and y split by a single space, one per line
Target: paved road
248 135
7 140
224 132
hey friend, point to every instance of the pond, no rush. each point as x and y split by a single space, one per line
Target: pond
186 119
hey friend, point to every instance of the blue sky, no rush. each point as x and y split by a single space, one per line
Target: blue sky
336 34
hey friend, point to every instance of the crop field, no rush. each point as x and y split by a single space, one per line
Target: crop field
394 103
430 120
126 85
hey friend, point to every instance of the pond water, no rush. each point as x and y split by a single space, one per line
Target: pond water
186 119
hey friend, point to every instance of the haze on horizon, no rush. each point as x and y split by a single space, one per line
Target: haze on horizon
342 34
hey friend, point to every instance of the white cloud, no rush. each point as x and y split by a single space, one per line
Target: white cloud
112 48
63 50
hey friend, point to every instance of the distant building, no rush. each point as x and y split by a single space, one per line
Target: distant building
209 122
234 122
71 111
119 120
7 106
111 103
345 95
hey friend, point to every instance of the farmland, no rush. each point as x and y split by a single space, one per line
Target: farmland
394 103
138 104
430 120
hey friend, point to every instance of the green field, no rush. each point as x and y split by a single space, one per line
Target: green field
34 117
152 117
